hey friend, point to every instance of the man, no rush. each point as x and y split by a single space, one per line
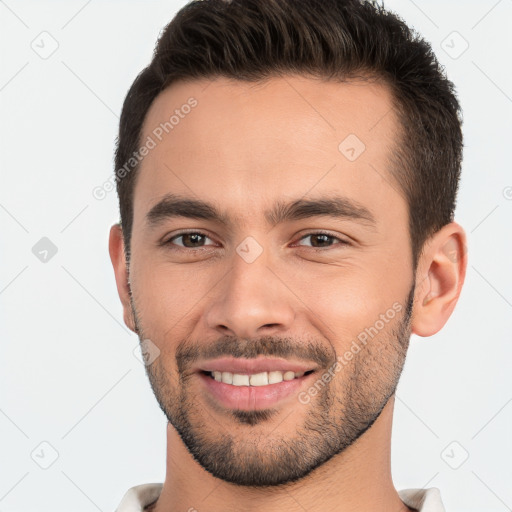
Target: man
287 173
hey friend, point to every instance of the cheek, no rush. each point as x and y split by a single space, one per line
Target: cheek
165 294
340 298
163 376
345 302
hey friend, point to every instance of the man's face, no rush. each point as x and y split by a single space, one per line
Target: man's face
316 305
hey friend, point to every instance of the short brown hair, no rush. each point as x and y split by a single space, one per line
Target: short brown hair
254 40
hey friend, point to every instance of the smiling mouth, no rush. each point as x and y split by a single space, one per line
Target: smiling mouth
255 379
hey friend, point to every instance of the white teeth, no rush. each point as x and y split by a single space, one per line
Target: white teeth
227 377
240 380
275 377
259 379
256 379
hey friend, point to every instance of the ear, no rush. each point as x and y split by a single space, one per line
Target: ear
439 278
118 258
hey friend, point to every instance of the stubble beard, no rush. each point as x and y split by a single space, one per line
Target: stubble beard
253 452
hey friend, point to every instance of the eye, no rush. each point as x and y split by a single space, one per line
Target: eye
323 240
189 240
196 240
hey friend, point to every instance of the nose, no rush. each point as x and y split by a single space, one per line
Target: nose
251 300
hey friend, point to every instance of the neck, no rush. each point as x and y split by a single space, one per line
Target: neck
356 480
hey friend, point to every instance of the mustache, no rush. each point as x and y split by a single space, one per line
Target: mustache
188 353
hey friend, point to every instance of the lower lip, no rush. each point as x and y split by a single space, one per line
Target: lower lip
250 398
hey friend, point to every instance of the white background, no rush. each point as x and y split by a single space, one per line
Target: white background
68 374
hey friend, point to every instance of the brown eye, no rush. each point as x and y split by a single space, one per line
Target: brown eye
323 240
192 240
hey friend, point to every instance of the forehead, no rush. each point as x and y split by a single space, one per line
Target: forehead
241 143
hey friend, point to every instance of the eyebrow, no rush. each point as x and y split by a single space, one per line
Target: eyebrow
339 207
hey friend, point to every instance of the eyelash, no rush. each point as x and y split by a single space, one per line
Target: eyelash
341 241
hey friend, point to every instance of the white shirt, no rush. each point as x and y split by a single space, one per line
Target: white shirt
140 496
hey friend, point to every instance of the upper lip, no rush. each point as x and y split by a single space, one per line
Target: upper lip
251 366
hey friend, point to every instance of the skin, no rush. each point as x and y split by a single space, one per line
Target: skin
242 148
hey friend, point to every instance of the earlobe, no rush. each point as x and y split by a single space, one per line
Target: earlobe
118 258
439 279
